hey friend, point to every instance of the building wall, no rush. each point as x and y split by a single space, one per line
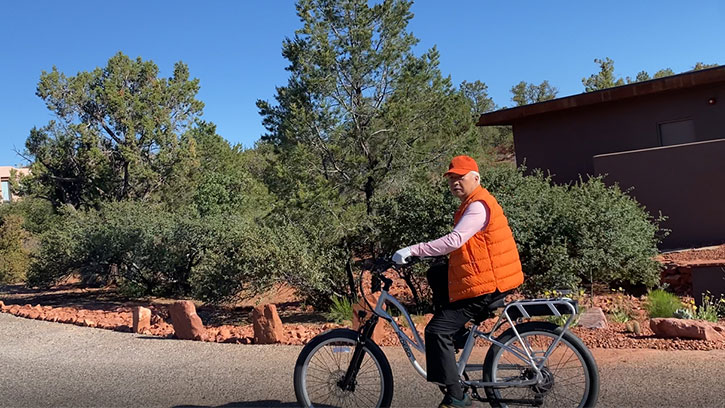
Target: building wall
685 182
564 142
5 175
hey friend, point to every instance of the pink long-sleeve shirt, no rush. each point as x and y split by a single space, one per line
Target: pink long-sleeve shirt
474 219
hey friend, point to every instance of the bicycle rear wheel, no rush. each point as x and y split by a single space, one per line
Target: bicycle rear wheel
570 374
322 364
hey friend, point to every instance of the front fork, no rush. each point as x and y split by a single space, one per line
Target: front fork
364 334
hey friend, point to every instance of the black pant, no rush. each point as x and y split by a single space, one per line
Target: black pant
449 320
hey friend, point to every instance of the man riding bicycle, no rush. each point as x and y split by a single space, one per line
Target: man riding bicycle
483 265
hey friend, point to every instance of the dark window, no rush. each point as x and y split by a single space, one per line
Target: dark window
679 132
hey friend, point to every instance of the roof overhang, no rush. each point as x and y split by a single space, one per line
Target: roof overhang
686 80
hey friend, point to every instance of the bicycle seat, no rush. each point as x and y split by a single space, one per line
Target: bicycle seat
498 302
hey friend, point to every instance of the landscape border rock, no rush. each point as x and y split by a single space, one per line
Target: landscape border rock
267 325
187 324
141 319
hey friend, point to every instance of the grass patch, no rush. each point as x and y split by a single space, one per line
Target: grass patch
662 304
340 311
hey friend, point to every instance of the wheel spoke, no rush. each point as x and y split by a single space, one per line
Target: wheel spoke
327 364
565 377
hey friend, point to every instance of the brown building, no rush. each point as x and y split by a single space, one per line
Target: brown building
5 178
664 137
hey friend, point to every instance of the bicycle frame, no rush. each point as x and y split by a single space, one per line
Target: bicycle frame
524 354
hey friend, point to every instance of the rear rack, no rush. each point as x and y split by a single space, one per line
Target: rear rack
541 307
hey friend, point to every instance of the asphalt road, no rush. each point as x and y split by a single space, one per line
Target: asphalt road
44 364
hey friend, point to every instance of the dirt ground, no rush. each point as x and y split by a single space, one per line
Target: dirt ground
105 308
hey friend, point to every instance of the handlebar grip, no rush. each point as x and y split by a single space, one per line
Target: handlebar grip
387 282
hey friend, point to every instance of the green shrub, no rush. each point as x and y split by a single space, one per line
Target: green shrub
138 244
14 256
340 310
252 257
662 304
37 213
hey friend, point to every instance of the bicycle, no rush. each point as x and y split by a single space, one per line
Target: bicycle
528 364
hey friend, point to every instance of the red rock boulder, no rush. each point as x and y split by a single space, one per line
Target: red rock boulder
379 332
187 324
687 329
267 325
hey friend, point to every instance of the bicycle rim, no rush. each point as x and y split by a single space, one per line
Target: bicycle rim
566 377
327 364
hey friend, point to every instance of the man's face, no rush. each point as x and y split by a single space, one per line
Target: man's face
462 186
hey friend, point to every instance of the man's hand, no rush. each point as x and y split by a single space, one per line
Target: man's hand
401 256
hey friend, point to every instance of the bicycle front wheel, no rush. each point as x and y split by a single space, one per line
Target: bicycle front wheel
570 376
322 365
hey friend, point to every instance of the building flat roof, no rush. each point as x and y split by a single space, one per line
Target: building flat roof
685 80
5 171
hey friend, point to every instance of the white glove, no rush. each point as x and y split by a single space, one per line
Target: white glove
401 256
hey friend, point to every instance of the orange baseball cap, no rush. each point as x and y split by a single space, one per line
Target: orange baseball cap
461 165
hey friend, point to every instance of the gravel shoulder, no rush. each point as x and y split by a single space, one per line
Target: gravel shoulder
49 364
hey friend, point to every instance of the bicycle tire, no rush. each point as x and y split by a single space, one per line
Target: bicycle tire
526 331
345 341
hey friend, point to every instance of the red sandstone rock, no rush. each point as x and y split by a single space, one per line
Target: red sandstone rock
224 334
141 319
187 324
687 328
379 332
267 325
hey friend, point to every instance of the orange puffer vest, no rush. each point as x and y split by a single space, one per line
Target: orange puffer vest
489 260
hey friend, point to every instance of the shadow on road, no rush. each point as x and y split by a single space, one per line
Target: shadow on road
246 404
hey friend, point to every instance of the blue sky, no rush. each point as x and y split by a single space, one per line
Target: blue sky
234 47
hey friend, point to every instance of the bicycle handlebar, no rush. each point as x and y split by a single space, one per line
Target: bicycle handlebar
383 264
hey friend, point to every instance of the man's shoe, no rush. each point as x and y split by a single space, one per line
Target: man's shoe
450 402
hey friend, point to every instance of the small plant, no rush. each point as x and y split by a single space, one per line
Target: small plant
633 326
662 304
340 311
620 316
709 309
621 309
683 313
561 320
721 307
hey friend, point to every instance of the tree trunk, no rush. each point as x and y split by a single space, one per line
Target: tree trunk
369 191
351 280
124 191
